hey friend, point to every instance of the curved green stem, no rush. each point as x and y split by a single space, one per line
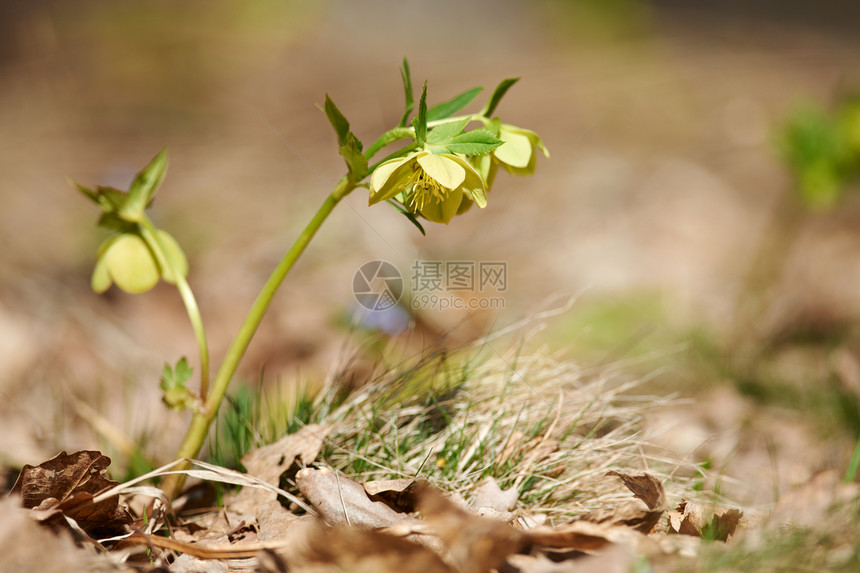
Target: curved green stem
387 138
200 422
150 236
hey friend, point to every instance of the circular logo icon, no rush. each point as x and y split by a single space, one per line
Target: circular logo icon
377 285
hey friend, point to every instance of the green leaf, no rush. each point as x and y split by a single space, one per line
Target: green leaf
110 199
407 89
183 371
356 162
111 220
143 187
453 105
475 142
497 96
446 131
173 380
337 121
408 215
86 191
420 122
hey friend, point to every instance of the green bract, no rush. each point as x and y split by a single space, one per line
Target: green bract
436 185
127 261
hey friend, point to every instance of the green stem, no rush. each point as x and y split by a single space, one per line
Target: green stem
200 422
150 236
854 464
387 138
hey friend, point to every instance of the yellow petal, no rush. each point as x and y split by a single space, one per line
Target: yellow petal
392 180
383 172
130 264
443 211
516 150
477 195
447 172
473 184
175 257
101 279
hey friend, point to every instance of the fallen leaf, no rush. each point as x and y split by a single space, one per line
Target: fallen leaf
490 495
66 485
25 546
367 551
269 462
645 487
648 490
704 520
580 535
398 494
474 544
617 559
341 500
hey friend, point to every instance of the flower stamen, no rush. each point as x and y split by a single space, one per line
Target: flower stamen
424 190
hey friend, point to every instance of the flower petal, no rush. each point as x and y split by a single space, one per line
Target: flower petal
447 172
101 278
516 149
174 254
445 210
478 195
383 172
130 264
473 184
391 180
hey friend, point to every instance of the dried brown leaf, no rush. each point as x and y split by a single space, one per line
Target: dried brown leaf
645 487
616 559
66 485
368 551
578 535
269 462
704 520
474 544
641 515
341 500
24 546
490 495
398 494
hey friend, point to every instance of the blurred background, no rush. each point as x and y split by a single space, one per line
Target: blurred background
697 206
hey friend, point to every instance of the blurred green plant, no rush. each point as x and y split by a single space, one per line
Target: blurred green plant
822 151
433 176
774 361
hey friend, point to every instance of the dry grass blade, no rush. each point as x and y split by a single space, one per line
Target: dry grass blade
544 427
205 551
208 472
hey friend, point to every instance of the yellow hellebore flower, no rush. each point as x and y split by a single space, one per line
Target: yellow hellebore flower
436 185
127 261
518 153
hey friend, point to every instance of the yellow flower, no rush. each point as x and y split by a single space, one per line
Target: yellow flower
436 185
518 153
127 261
